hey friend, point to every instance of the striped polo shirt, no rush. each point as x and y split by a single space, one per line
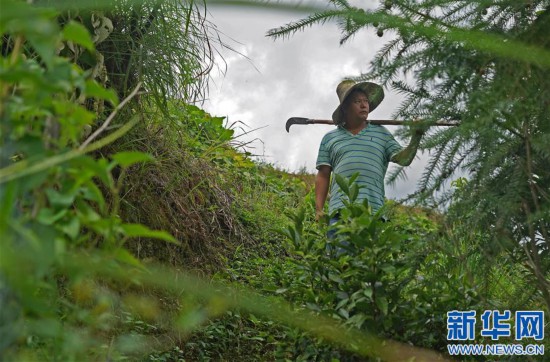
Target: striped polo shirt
367 152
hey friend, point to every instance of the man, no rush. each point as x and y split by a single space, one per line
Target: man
358 146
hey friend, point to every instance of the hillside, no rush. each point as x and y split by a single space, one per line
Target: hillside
213 198
135 226
240 222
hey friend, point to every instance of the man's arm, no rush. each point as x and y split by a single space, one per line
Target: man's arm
322 181
406 156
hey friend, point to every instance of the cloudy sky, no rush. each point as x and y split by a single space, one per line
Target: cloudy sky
274 80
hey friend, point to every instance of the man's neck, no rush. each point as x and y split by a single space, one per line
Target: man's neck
355 126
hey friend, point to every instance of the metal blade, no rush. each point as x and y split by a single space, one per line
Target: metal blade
296 120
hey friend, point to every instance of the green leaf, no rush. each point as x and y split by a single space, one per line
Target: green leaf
368 292
93 89
382 304
93 193
313 306
78 34
124 256
388 269
357 320
344 313
138 230
192 319
351 272
60 199
8 195
47 216
254 319
100 168
38 26
72 228
126 159
342 183
354 192
335 278
86 212
342 303
45 327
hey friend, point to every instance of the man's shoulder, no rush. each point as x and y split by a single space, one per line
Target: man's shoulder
333 133
336 130
379 129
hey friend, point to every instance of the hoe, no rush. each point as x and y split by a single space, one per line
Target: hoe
386 122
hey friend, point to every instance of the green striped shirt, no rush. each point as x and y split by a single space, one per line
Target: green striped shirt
367 152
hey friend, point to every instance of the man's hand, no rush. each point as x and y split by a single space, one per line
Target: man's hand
418 127
319 215
405 157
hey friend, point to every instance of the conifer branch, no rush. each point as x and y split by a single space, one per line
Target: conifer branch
318 18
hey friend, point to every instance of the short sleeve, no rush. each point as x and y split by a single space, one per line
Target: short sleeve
392 147
323 156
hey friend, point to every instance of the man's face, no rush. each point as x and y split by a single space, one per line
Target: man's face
357 106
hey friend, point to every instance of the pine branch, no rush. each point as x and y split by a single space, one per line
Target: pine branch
350 31
342 4
318 18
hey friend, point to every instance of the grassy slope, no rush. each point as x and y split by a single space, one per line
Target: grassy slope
228 212
210 196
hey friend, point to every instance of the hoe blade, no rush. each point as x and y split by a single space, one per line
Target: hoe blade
295 120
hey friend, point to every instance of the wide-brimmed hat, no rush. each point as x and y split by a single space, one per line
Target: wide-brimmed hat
374 92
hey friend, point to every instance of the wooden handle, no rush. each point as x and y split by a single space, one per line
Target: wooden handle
388 122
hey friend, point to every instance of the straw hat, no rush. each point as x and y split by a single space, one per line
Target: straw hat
374 92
